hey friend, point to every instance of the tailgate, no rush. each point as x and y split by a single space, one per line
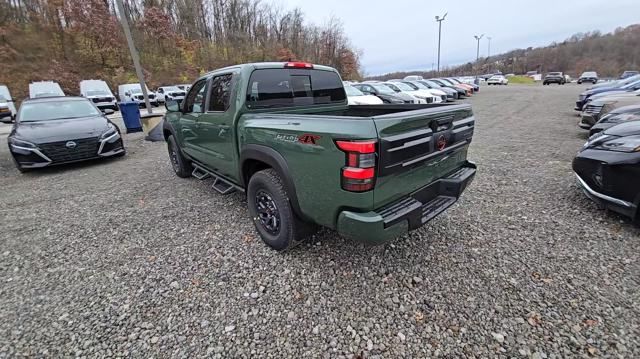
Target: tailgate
418 147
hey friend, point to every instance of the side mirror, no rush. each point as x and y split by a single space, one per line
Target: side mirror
108 111
7 119
172 106
127 93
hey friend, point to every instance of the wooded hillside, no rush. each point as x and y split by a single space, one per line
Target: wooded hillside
609 54
71 40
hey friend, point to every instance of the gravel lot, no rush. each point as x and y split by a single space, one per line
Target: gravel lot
122 258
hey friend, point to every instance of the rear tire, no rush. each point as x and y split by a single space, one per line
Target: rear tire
272 214
181 166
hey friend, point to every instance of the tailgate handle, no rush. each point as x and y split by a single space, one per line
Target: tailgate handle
442 124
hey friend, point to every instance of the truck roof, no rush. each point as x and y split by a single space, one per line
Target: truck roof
262 65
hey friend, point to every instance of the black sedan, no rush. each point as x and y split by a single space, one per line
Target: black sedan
56 130
608 168
616 117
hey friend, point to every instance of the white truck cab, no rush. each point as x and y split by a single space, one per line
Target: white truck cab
45 89
168 93
99 93
133 92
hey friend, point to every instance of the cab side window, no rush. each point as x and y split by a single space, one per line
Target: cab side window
220 93
195 99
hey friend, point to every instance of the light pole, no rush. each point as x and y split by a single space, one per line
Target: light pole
477 53
478 50
440 20
489 47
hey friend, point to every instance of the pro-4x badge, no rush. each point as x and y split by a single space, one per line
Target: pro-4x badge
308 139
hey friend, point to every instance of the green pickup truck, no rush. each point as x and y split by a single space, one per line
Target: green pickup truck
284 134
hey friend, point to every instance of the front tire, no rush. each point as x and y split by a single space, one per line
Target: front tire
181 166
271 212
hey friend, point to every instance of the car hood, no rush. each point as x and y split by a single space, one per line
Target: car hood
631 128
61 130
609 93
600 90
626 109
365 100
618 101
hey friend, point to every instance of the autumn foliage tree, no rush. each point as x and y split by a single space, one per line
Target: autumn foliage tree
71 40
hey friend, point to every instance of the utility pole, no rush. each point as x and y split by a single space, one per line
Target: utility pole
134 54
489 47
440 20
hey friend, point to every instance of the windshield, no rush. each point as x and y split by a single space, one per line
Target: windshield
404 87
56 110
352 91
447 82
432 84
135 90
383 89
589 74
98 93
419 85
555 73
171 88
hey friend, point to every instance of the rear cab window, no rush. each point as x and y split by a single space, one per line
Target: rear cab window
270 88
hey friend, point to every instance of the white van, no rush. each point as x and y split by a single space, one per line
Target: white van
133 92
5 97
99 93
44 89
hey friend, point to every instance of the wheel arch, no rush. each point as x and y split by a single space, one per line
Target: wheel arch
254 158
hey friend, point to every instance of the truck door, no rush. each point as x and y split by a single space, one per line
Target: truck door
192 109
214 128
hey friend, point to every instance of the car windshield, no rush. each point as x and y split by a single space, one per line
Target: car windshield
455 81
98 93
171 88
446 82
135 90
432 83
56 110
404 87
352 91
383 89
631 85
496 77
555 73
419 85
589 74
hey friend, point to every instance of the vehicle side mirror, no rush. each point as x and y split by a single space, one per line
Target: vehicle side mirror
7 119
108 111
127 93
172 106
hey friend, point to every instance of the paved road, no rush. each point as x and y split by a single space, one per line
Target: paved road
123 258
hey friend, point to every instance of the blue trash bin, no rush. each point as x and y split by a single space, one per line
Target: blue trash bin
131 116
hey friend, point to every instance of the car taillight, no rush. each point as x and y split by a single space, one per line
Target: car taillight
359 174
298 65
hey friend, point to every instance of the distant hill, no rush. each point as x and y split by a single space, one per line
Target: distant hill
608 54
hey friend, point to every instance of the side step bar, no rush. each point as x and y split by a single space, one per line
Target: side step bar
220 184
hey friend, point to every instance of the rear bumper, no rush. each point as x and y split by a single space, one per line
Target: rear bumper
408 213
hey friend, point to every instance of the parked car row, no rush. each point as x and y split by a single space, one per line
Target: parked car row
410 90
608 165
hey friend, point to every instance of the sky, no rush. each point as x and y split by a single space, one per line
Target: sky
402 35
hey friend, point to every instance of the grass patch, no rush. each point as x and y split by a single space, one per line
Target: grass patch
521 80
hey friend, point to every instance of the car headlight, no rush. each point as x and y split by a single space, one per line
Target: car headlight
110 132
21 143
622 144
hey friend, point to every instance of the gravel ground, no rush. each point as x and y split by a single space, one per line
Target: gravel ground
122 258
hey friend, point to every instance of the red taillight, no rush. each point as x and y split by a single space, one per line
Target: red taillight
359 174
298 65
